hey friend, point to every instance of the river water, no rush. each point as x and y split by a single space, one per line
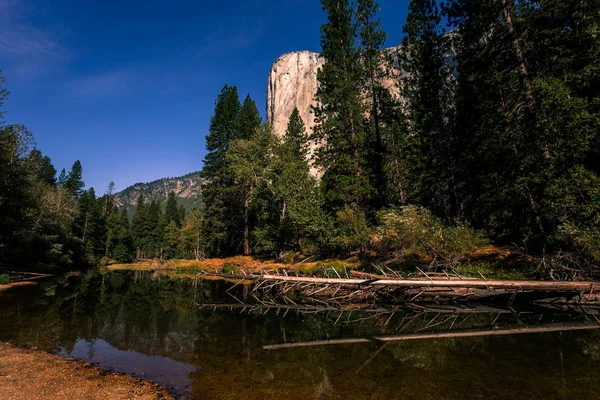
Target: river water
152 326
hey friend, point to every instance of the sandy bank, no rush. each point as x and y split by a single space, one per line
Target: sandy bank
30 374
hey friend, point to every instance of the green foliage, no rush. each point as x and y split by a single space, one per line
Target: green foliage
527 118
192 236
3 97
226 204
5 278
414 230
74 181
490 271
428 86
171 241
43 168
352 233
339 114
248 119
288 257
229 268
585 241
172 211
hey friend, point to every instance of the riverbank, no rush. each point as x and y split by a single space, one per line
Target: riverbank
232 264
32 374
490 261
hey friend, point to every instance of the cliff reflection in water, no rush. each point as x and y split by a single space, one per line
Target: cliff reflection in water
151 325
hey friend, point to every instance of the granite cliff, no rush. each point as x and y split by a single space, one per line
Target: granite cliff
293 83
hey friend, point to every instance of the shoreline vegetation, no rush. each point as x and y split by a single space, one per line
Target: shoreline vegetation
30 373
490 261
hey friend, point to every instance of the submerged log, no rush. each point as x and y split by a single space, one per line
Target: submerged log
509 330
512 330
315 343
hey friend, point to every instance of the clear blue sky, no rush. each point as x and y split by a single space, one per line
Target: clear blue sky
128 87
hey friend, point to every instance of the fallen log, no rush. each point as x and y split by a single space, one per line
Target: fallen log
453 283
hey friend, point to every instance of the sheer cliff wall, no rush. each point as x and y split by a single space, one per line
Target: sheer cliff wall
293 83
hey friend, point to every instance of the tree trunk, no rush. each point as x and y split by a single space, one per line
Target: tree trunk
84 227
282 216
522 67
530 99
246 226
400 190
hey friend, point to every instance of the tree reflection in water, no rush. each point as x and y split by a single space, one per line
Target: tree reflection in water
145 314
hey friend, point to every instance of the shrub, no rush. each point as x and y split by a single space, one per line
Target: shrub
352 232
229 268
584 241
4 279
414 230
288 257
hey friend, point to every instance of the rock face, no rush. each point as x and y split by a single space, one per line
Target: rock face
293 83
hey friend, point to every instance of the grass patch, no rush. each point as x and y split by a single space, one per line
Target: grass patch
230 268
326 269
490 271
4 279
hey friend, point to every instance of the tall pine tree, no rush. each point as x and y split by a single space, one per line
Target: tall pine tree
218 190
427 86
375 65
339 127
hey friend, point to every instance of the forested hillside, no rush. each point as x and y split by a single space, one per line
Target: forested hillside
186 188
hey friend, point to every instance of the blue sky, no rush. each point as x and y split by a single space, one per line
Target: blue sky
128 87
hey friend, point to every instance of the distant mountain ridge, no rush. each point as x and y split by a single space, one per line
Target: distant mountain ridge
187 188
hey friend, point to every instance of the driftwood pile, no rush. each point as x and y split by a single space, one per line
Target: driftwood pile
432 305
351 287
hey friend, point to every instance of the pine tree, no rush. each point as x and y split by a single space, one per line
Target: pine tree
427 87
172 212
74 181
300 220
222 224
564 69
88 224
118 242
249 161
109 198
62 178
249 119
113 231
375 64
138 228
42 166
172 235
15 197
154 227
339 127
295 139
3 97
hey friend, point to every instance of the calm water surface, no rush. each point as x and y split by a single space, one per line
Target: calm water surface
151 326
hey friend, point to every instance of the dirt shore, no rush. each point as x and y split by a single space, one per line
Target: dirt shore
31 374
